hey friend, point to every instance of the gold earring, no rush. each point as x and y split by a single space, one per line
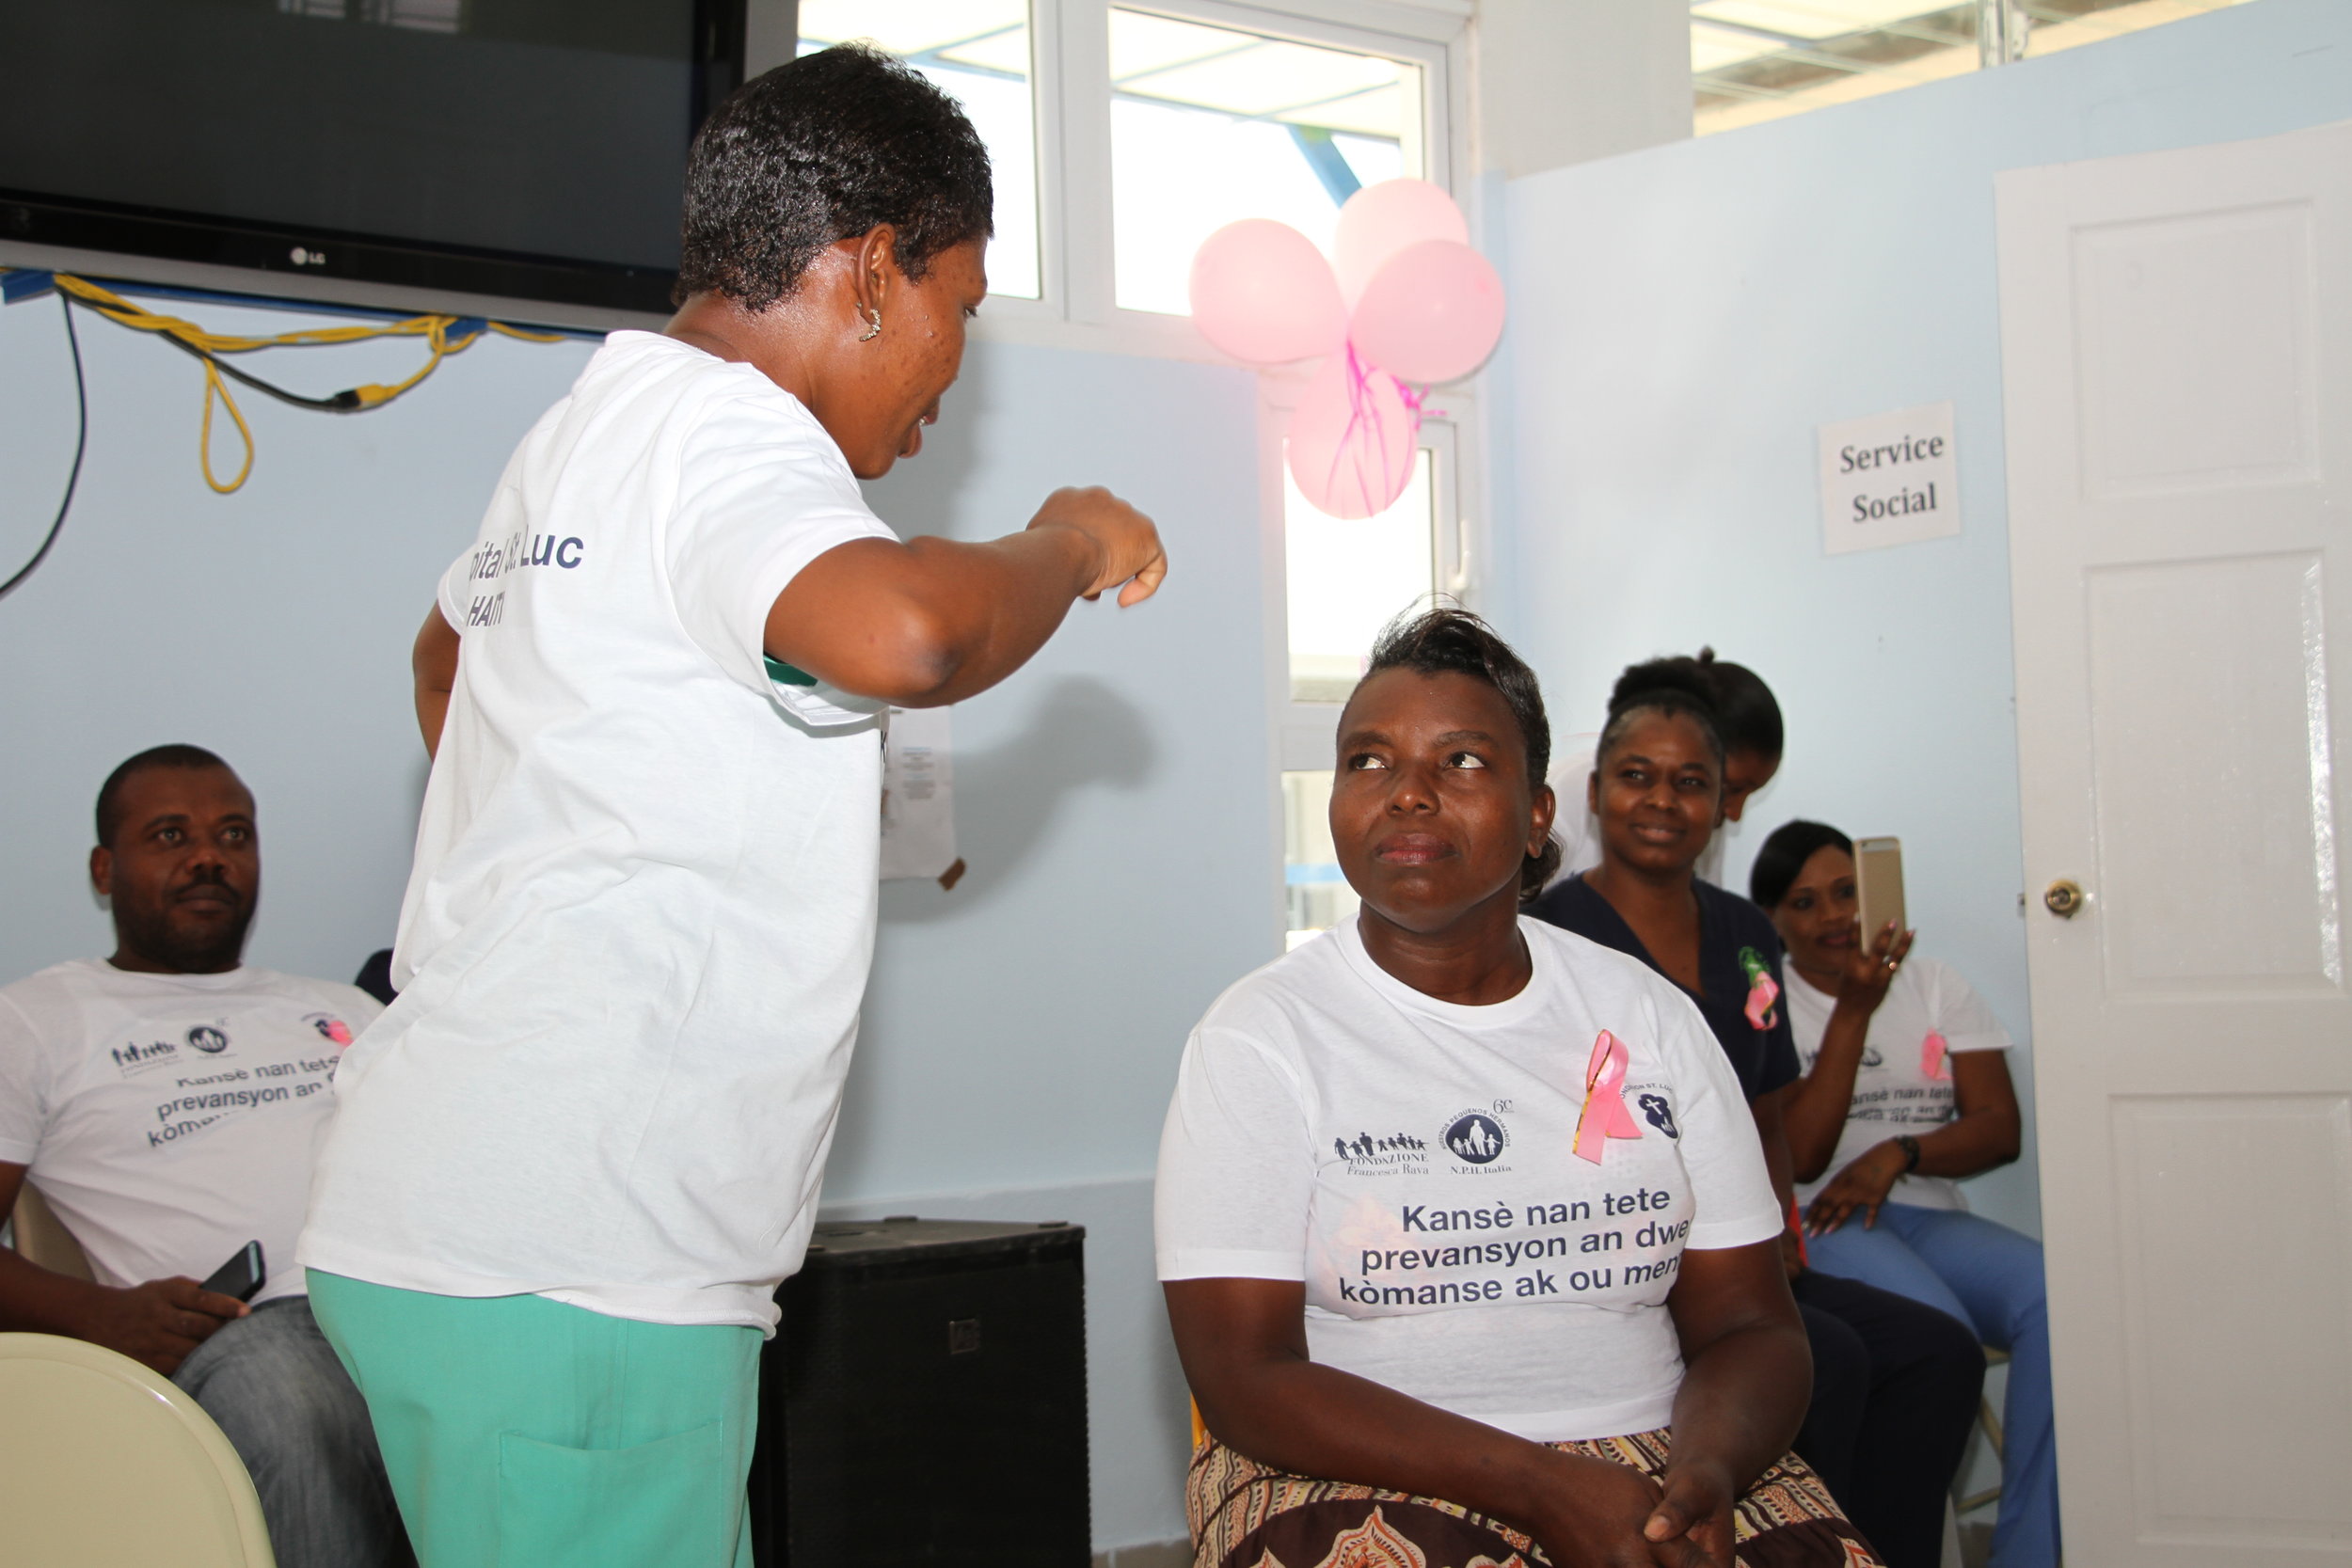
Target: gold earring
874 316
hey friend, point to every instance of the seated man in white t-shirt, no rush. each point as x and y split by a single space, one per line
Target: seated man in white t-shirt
1465 1230
169 1103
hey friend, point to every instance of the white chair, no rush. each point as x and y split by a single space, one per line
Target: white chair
1989 1421
44 1239
104 1463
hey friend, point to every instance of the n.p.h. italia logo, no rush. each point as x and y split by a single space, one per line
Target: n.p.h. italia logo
1476 1136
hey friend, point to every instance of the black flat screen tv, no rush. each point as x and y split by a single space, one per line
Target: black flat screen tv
531 150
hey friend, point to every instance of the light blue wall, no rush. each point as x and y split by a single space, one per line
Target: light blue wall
1112 799
1683 317
271 625
1113 804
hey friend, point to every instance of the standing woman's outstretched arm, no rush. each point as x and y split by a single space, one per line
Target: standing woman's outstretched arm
434 663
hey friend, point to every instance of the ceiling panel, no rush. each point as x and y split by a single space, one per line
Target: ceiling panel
1813 19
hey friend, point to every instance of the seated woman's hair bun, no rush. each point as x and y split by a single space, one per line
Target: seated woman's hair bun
1745 713
1670 688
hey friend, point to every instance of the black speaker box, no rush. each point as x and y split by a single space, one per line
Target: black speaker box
924 1400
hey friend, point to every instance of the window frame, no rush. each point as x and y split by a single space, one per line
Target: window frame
1070 94
1302 735
1077 308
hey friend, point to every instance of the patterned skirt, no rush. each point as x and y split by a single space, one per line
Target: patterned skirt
1244 1514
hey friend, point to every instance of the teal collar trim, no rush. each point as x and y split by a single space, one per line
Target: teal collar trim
785 675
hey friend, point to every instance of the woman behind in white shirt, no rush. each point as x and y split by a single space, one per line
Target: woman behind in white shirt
1906 1090
1468 1242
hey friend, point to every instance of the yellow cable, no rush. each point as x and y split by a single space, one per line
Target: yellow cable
214 387
433 329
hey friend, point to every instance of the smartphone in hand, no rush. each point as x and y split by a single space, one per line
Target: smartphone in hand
1877 874
242 1275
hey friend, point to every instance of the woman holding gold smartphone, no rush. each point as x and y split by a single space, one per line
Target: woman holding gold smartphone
1906 1090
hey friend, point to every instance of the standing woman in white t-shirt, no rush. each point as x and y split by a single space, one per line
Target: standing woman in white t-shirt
572 1162
1906 1089
1467 1238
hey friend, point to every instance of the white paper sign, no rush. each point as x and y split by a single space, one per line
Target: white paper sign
1890 479
918 805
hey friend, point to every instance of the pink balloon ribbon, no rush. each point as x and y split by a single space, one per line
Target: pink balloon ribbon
1932 1052
1604 1116
1352 438
1367 429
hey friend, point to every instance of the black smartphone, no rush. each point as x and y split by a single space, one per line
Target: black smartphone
241 1276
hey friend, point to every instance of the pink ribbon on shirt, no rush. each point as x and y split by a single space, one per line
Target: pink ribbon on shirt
1763 990
1604 1116
1932 1052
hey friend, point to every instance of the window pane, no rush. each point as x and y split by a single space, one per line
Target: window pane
977 50
1348 579
1760 59
1209 125
1317 895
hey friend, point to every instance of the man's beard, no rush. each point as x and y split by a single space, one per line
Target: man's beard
188 949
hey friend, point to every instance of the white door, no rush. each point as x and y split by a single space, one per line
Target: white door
2177 365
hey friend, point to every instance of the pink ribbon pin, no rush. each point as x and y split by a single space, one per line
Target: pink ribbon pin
1931 1051
1763 990
1604 1116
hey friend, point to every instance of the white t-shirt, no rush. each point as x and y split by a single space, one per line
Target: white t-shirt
1411 1160
637 933
171 1118
1578 830
1892 1089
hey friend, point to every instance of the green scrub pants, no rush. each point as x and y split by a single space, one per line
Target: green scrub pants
520 1433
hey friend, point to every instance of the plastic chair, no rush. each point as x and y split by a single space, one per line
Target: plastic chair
43 1238
104 1462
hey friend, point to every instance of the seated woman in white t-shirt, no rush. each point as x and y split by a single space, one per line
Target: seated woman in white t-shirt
1467 1237
1907 1088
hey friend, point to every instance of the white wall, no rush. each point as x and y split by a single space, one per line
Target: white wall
1559 83
1022 1031
1683 317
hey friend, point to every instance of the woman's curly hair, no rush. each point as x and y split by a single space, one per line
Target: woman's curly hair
818 151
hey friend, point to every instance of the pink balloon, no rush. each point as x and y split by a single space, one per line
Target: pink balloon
1264 294
1432 314
1351 445
1380 220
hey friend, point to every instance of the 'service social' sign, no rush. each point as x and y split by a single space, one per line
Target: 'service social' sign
1890 479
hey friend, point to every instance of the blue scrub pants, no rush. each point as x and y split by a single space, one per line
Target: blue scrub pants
1990 1278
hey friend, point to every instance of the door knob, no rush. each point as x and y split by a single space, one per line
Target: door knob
2062 898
